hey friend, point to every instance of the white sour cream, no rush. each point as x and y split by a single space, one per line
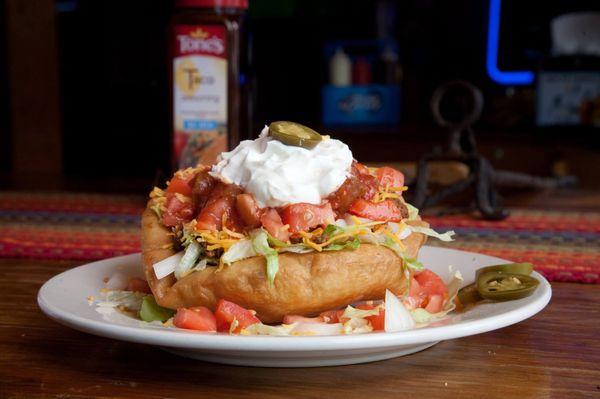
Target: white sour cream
278 174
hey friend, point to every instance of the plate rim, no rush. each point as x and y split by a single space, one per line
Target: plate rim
211 341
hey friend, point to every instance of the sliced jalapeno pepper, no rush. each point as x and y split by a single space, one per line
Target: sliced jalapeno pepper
469 294
515 268
501 286
294 134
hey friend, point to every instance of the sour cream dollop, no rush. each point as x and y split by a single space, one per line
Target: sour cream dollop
278 174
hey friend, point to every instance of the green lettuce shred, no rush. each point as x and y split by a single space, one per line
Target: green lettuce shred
413 212
260 243
447 236
157 209
350 244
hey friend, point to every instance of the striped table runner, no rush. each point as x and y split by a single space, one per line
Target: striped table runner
564 246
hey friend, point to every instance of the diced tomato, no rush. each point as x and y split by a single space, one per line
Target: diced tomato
303 217
197 318
431 283
377 321
415 289
435 304
389 176
248 210
362 169
228 311
211 216
179 185
427 290
352 189
221 202
371 186
359 184
332 316
179 210
272 222
416 296
386 210
291 319
137 284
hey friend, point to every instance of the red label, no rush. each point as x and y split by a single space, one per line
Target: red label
200 40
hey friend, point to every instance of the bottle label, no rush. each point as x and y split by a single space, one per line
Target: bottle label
199 93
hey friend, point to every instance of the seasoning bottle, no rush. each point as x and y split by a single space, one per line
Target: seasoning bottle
205 67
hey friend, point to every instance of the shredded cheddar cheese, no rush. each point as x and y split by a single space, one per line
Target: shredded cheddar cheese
395 238
389 192
217 239
307 241
185 173
183 198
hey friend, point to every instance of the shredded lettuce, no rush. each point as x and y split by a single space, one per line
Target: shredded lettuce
263 329
409 262
332 229
412 262
127 299
413 212
152 311
240 250
276 242
201 265
422 316
260 244
157 210
191 255
353 313
447 236
357 326
297 249
350 244
188 236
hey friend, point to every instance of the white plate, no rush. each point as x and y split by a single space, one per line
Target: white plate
64 299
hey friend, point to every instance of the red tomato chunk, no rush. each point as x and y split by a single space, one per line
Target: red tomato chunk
386 211
197 318
389 177
227 312
303 217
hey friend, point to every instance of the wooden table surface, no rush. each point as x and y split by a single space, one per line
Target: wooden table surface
555 354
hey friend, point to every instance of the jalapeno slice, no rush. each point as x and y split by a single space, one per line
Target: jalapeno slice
515 268
501 286
295 134
469 294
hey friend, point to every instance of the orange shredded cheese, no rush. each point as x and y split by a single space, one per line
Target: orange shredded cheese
395 238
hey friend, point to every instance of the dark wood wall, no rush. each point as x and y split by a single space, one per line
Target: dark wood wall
32 87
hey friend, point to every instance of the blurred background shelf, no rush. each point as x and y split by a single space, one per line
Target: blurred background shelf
84 90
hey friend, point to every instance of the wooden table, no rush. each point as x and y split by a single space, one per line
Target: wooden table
554 354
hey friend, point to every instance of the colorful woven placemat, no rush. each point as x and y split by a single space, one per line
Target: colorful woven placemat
564 246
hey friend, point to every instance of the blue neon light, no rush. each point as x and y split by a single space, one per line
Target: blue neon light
506 78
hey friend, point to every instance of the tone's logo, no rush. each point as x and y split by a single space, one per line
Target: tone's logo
199 41
199 34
